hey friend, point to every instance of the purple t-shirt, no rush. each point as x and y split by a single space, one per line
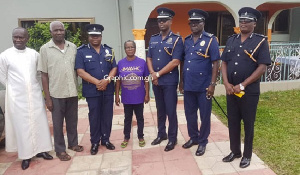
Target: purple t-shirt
132 75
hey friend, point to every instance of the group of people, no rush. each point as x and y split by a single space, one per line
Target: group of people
244 60
59 62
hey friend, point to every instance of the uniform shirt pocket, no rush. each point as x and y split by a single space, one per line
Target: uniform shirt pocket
89 64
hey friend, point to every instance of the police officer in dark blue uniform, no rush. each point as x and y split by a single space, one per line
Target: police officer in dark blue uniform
164 56
96 65
245 58
200 67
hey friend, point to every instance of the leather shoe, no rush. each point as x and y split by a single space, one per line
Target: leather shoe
245 162
158 140
200 150
44 155
109 145
170 146
189 144
25 164
231 157
94 149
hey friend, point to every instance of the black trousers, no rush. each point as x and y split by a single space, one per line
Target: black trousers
241 109
65 109
138 111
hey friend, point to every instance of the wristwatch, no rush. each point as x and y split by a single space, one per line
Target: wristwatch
242 87
157 75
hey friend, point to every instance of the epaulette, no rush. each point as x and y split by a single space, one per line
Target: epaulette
260 35
175 34
155 34
82 46
208 34
232 35
188 36
105 45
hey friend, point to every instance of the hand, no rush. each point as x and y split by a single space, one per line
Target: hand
49 104
147 99
229 89
154 77
210 91
117 100
237 89
155 82
103 84
181 87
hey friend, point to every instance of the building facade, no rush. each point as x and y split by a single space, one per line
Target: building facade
136 19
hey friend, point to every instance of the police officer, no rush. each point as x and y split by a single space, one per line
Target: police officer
164 56
200 67
96 65
245 58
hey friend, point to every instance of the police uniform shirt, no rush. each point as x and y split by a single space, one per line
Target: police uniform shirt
239 64
197 70
164 51
97 65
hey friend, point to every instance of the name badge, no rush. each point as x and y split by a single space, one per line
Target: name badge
88 56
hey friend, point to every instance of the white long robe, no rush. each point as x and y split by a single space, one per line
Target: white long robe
26 125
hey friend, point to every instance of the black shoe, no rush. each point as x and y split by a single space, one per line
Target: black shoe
245 162
25 164
231 157
200 150
94 149
45 155
189 144
158 140
108 145
170 146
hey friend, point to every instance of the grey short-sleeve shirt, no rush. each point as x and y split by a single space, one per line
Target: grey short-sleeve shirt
59 64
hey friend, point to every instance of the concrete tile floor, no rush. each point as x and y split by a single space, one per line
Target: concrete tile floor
148 160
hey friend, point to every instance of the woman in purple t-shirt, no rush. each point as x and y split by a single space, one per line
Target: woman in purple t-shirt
133 77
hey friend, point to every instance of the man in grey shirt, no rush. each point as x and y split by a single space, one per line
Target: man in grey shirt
59 81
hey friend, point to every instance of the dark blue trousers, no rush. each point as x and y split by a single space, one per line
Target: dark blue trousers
192 102
241 109
100 117
166 104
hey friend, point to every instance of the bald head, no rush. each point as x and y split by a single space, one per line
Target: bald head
20 37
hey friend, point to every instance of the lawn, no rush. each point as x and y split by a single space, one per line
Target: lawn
277 130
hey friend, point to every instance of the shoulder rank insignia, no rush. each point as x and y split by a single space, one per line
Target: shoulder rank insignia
105 45
232 35
155 34
260 35
82 46
208 34
188 36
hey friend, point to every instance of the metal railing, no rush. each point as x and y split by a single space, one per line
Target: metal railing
285 64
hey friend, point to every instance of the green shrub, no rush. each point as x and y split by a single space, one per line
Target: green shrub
40 34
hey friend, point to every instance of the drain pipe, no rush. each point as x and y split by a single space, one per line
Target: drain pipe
120 28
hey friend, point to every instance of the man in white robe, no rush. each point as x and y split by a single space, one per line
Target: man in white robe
26 124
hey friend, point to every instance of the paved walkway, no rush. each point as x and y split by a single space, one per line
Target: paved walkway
149 160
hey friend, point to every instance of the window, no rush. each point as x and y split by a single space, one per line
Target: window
281 23
74 24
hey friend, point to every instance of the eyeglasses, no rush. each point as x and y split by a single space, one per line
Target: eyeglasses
245 20
195 22
129 48
163 20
